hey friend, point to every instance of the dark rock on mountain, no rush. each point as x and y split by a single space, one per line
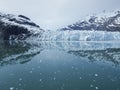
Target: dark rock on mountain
22 16
19 27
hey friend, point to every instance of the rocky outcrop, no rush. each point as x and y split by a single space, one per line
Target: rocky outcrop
17 27
102 22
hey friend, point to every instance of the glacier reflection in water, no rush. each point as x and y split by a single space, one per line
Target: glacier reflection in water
28 65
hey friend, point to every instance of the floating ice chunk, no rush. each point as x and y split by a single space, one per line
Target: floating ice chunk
54 78
40 80
96 75
91 85
40 61
80 77
96 88
40 73
11 88
31 71
38 66
55 72
20 79
19 84
72 67
32 68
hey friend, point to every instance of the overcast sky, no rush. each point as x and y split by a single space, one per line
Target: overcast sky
53 14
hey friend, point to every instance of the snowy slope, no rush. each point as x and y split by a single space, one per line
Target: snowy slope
17 26
101 22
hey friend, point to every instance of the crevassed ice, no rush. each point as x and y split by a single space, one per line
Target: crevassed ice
77 35
67 46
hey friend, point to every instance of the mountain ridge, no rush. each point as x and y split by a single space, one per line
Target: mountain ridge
101 22
17 27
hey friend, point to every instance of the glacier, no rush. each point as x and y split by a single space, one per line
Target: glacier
78 35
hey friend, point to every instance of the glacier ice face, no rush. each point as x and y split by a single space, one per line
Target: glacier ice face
77 35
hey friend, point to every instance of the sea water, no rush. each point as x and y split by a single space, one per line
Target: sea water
52 65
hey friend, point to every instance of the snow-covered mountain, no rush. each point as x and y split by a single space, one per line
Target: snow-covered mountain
102 22
17 27
102 27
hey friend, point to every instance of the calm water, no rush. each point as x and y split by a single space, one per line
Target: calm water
59 65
